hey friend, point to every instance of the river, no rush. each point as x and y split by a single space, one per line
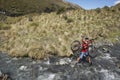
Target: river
106 66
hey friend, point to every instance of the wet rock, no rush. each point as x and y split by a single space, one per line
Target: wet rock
0 73
53 59
4 76
73 63
118 65
58 68
106 50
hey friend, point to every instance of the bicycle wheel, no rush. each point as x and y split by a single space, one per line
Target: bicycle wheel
75 46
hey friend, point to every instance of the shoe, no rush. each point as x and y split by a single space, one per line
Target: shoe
90 63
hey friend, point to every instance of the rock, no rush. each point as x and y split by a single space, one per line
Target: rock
0 73
53 59
4 76
73 63
105 50
118 65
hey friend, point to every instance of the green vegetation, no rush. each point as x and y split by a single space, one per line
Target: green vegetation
34 24
4 26
21 7
61 10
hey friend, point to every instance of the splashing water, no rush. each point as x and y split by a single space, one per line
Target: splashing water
46 77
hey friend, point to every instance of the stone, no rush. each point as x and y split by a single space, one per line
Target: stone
0 73
118 65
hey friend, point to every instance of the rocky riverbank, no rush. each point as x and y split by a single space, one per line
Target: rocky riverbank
106 66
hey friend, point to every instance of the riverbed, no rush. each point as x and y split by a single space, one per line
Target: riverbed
106 66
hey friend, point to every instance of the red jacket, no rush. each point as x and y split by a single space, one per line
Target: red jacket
85 45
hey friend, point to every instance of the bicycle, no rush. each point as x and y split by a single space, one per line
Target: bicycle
76 49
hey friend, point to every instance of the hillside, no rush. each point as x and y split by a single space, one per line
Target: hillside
39 35
21 7
116 6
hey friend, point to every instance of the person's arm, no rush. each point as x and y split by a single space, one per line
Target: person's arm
83 40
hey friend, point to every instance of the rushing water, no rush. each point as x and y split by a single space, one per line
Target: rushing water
55 68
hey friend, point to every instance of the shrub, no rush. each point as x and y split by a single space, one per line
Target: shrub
4 27
98 10
65 17
106 8
119 9
70 20
61 10
30 18
113 10
34 24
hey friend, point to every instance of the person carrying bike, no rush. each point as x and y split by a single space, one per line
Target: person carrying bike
85 50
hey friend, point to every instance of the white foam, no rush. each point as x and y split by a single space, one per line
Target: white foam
64 61
42 69
108 75
107 56
47 62
46 77
33 62
87 72
51 76
14 58
23 67
8 61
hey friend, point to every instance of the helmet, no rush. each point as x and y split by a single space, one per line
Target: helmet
86 38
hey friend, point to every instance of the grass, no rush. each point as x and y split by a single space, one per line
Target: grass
21 7
52 33
4 26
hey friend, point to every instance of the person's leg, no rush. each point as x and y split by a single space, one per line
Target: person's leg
88 57
80 57
89 60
